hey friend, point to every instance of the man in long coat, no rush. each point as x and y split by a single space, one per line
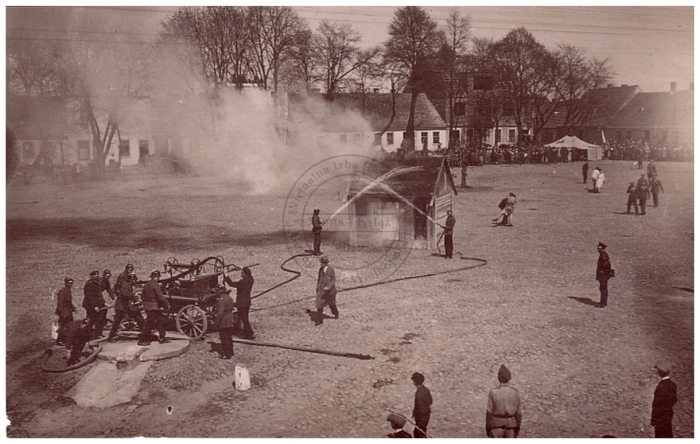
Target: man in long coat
325 290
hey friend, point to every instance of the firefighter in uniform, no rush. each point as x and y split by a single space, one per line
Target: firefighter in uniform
122 309
64 309
94 305
449 228
503 412
153 302
603 273
123 277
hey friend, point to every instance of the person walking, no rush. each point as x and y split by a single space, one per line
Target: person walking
224 322
325 290
643 193
153 303
317 227
655 188
584 169
594 177
122 307
421 406
503 408
94 305
632 199
651 170
599 181
449 228
603 273
243 301
665 398
64 309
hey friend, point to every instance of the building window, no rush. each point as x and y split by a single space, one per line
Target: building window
83 150
389 138
143 148
511 135
124 148
498 136
28 150
356 140
424 138
343 138
436 137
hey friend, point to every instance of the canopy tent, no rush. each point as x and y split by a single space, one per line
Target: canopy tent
595 152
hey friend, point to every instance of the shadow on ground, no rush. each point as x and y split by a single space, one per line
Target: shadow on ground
586 301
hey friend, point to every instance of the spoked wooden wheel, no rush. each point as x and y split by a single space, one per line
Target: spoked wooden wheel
191 321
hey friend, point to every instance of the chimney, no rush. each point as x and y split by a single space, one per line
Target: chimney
673 86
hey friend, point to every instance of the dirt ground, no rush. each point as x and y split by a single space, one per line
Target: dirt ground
581 371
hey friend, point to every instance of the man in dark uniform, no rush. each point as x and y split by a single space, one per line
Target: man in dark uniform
421 406
603 273
503 410
317 227
397 424
325 290
123 276
224 322
632 199
125 295
77 335
64 309
94 305
153 301
655 188
651 170
585 172
643 193
105 285
449 228
664 399
243 301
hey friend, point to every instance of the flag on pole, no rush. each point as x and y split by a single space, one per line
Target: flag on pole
602 135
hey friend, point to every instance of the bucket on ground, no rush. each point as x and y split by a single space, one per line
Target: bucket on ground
242 378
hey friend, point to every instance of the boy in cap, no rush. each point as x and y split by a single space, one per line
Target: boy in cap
603 273
325 290
503 413
421 406
397 423
664 399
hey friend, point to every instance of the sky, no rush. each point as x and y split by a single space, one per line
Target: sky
649 46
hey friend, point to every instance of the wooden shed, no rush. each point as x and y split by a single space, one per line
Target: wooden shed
400 204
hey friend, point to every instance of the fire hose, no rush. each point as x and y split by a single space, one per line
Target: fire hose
48 353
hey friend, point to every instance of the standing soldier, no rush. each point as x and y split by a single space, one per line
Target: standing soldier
651 170
64 309
643 193
503 411
325 290
448 227
421 406
316 230
94 305
664 399
655 187
243 300
585 172
632 199
603 273
153 302
125 295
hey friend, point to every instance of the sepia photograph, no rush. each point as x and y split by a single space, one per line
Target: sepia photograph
388 221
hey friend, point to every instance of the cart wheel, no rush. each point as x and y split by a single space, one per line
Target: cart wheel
191 321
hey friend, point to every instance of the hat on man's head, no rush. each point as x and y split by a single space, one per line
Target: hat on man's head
95 273
418 378
512 194
396 420
68 279
503 374
663 366
600 244
324 259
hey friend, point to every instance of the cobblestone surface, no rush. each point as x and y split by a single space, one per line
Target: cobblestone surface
581 371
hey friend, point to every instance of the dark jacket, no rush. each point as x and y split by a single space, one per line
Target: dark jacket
153 297
317 226
224 308
326 282
400 434
449 225
76 331
662 406
93 296
64 303
423 401
603 270
125 294
643 188
105 286
243 287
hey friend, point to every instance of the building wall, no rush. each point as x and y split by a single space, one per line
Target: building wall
435 139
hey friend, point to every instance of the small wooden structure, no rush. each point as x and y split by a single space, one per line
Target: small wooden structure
400 211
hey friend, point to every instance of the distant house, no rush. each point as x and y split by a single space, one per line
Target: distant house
38 122
402 211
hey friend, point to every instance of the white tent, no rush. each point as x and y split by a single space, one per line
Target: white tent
595 152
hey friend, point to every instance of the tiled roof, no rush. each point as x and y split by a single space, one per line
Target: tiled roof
607 102
657 109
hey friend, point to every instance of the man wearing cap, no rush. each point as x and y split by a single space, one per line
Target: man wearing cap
584 169
325 290
397 423
123 276
64 309
94 305
632 199
448 227
224 322
153 301
105 285
125 295
317 227
243 287
643 193
664 399
503 410
421 406
655 187
603 273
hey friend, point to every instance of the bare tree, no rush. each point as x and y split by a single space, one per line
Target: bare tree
303 58
458 30
414 39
